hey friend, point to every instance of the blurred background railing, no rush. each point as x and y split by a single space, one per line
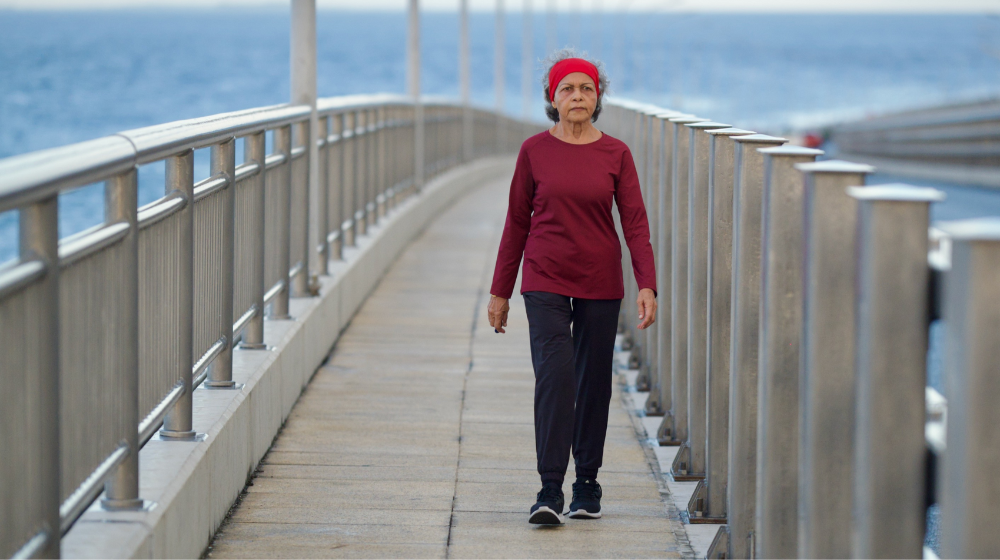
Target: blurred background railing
951 144
106 333
790 356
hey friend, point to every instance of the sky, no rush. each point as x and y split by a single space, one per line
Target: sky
865 6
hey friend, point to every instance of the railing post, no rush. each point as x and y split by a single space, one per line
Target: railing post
39 238
335 175
371 209
664 213
654 403
748 190
220 374
382 137
690 459
890 449
344 212
300 282
708 503
826 377
121 491
283 145
968 476
413 66
322 214
254 150
180 179
678 415
358 167
778 373
303 82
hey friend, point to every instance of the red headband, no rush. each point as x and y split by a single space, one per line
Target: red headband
567 66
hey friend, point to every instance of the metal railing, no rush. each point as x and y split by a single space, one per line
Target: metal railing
953 143
105 334
789 361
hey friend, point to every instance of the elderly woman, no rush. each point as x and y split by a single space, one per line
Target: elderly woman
559 218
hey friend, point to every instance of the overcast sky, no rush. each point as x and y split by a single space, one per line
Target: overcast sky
903 6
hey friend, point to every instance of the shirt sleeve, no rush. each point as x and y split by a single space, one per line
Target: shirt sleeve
515 229
635 225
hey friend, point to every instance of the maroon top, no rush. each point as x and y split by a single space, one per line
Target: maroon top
559 217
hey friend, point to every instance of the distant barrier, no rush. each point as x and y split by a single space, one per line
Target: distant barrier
105 334
789 356
954 143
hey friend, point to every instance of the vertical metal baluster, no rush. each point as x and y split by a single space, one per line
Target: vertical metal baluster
39 239
283 145
323 198
358 146
373 184
719 248
748 188
778 371
690 457
664 211
254 150
121 491
826 375
343 211
968 475
180 179
678 415
893 318
300 281
654 404
335 175
220 374
383 174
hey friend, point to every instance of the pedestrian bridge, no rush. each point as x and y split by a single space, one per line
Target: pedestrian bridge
288 357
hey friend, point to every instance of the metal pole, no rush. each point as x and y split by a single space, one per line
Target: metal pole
371 170
654 404
303 82
678 416
39 239
664 211
499 76
968 477
826 377
300 282
220 375
748 190
344 212
890 448
690 458
180 179
465 79
778 370
283 146
526 57
708 502
121 491
413 59
255 150
358 169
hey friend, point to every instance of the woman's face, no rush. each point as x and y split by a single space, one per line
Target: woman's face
576 98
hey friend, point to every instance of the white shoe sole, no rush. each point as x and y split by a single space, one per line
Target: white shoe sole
545 516
583 514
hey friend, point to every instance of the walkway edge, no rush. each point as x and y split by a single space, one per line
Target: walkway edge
190 486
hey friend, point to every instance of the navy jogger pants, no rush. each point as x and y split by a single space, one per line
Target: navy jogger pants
572 347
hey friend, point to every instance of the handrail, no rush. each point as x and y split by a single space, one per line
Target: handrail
810 428
165 276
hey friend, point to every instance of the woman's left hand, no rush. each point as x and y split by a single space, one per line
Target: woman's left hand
647 307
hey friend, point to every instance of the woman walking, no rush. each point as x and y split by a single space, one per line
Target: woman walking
559 218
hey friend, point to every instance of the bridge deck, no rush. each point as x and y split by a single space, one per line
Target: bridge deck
416 438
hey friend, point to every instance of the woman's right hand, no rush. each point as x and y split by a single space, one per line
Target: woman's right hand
497 312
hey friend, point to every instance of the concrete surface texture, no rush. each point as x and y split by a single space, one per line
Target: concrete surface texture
415 439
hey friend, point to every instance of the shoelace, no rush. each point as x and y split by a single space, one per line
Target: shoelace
587 491
549 494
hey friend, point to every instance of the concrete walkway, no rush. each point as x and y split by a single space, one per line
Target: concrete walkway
416 439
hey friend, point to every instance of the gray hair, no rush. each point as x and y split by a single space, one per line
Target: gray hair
562 54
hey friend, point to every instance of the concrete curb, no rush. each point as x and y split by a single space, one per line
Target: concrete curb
190 486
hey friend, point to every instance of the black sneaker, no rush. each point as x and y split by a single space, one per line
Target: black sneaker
548 510
586 500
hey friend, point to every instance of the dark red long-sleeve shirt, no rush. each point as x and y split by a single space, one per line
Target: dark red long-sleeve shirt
559 218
